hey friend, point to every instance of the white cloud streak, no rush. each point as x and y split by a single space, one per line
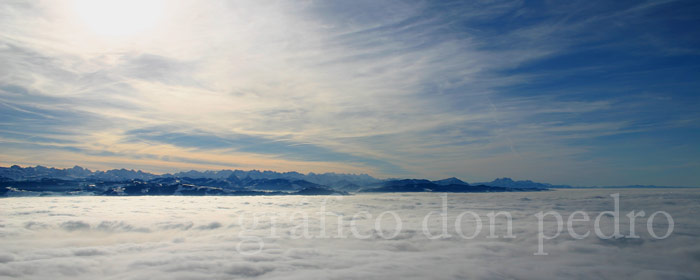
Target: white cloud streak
383 82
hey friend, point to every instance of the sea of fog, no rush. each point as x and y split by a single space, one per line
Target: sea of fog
362 236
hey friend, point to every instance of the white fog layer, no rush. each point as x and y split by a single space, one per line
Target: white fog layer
301 237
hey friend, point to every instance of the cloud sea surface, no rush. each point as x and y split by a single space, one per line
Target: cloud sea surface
219 237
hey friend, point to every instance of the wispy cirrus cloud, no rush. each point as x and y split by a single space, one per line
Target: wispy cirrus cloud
475 90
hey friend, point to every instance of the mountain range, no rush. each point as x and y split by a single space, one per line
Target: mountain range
40 180
19 173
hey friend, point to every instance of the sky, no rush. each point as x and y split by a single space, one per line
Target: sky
565 92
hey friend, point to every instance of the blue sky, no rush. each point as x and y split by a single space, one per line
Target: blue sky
567 92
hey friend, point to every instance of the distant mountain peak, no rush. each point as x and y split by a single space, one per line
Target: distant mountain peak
522 184
504 179
450 181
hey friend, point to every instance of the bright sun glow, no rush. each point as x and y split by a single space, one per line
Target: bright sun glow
119 17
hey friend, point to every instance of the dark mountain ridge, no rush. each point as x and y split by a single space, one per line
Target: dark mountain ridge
16 180
446 185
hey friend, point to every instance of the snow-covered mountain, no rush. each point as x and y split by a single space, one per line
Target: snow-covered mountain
236 177
16 172
258 180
